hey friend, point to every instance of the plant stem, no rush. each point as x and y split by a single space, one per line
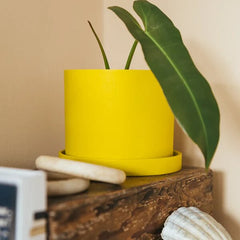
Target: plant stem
130 56
101 47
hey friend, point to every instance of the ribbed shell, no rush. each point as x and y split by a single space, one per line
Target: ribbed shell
192 224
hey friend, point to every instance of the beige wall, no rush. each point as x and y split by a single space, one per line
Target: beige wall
210 31
39 39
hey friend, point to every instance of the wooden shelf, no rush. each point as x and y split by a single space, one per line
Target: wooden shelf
136 209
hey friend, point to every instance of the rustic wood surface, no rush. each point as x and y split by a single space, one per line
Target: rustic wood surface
135 210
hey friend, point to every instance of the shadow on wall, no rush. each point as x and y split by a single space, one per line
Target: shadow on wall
192 156
229 222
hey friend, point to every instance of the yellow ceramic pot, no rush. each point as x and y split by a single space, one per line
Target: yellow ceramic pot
116 116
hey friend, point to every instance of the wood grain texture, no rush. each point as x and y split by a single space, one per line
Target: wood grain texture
136 210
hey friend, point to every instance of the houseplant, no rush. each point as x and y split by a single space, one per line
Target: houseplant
187 92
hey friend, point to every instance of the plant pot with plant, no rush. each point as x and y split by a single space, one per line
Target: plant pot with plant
125 118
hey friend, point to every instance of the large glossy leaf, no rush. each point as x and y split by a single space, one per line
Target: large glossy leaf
188 93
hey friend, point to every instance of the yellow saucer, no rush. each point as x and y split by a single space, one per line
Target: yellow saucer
137 167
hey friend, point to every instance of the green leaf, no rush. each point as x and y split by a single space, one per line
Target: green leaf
130 56
100 46
188 93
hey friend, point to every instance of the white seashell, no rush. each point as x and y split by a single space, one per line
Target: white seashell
192 224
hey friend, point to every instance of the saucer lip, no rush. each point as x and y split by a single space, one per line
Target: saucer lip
137 167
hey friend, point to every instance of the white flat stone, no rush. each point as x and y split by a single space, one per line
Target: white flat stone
67 187
81 169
